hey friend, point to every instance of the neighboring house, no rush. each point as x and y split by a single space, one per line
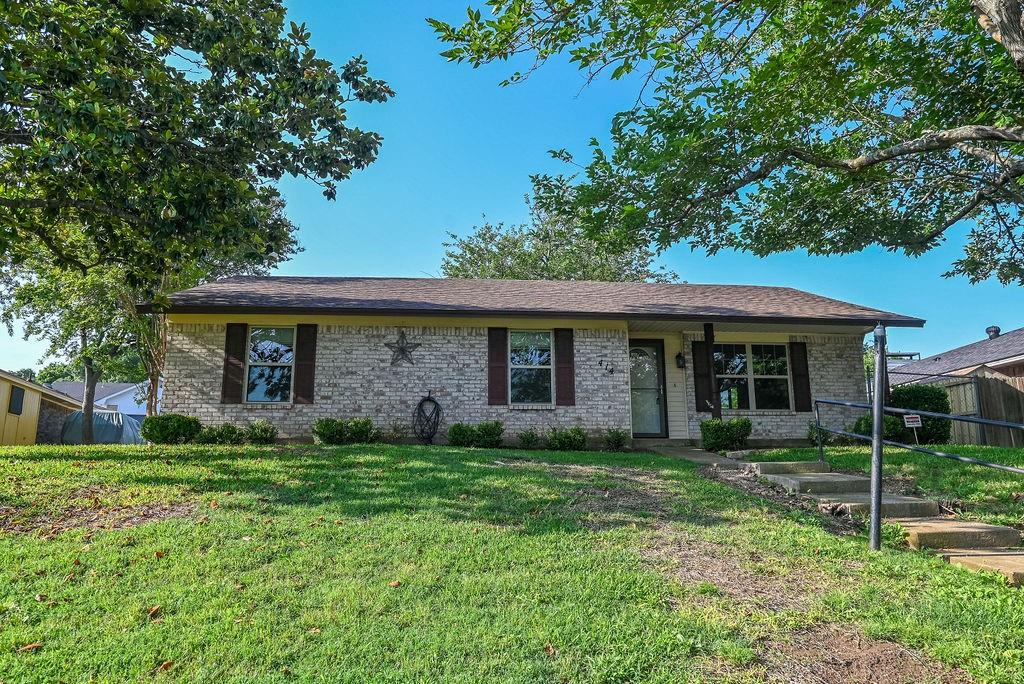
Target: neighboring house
31 413
999 351
126 397
655 359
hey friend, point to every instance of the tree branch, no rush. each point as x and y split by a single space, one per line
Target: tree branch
69 203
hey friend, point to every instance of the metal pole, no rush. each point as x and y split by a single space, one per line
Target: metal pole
878 417
817 430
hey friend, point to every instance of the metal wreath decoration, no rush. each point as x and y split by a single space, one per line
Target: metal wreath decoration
427 419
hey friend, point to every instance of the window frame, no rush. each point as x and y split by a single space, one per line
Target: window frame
550 367
10 401
249 364
750 376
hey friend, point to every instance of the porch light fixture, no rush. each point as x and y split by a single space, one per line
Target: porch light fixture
680 360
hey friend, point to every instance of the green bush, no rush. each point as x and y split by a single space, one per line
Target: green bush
489 433
812 435
615 439
461 435
346 431
362 431
330 431
170 428
925 398
892 427
261 432
224 434
567 439
725 435
529 439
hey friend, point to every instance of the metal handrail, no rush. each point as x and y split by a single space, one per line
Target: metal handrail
920 449
931 414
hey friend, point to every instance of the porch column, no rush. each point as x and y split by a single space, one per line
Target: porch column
709 347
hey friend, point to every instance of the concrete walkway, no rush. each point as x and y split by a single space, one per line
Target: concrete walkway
973 545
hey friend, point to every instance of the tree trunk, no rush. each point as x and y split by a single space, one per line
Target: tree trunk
152 396
1004 21
88 398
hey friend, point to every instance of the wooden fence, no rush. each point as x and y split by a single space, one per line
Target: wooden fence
986 395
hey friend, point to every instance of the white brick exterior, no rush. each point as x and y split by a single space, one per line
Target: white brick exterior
354 377
836 366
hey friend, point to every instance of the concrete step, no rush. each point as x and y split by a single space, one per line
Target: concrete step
821 483
790 467
698 456
893 505
951 533
1007 562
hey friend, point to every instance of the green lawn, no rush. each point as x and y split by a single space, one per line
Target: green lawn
417 564
981 493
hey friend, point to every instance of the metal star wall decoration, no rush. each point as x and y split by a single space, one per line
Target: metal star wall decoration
402 350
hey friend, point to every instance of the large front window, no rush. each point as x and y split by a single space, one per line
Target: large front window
530 369
753 376
270 362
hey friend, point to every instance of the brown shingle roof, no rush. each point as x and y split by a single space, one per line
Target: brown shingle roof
1007 345
583 299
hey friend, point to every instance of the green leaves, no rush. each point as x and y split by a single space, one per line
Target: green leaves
148 124
764 124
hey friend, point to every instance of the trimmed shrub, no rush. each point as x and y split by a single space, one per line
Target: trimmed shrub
615 439
330 431
170 428
892 427
488 434
925 398
362 431
567 439
725 435
529 439
223 434
461 435
261 432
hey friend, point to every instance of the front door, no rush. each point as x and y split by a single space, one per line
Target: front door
647 387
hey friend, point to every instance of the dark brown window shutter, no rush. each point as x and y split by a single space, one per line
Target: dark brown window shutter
305 363
701 377
231 391
801 376
565 368
497 366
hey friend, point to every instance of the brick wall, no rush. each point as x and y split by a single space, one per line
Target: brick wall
836 367
354 377
51 422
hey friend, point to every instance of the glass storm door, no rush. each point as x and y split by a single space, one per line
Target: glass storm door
647 388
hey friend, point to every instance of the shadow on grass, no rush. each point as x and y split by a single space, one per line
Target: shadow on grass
533 492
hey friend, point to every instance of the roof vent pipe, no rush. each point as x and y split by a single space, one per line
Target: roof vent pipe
992 331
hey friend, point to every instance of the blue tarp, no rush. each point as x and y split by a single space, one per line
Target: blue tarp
108 427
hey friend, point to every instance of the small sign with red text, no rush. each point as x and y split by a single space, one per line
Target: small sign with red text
912 421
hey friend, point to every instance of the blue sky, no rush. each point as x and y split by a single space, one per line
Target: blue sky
457 147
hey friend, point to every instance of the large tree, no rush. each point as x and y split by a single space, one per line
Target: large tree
140 131
547 248
78 315
770 125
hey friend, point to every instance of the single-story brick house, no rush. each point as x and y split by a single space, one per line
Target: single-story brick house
655 359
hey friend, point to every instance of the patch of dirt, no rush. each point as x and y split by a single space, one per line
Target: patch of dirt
751 582
833 654
91 514
631 495
836 519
